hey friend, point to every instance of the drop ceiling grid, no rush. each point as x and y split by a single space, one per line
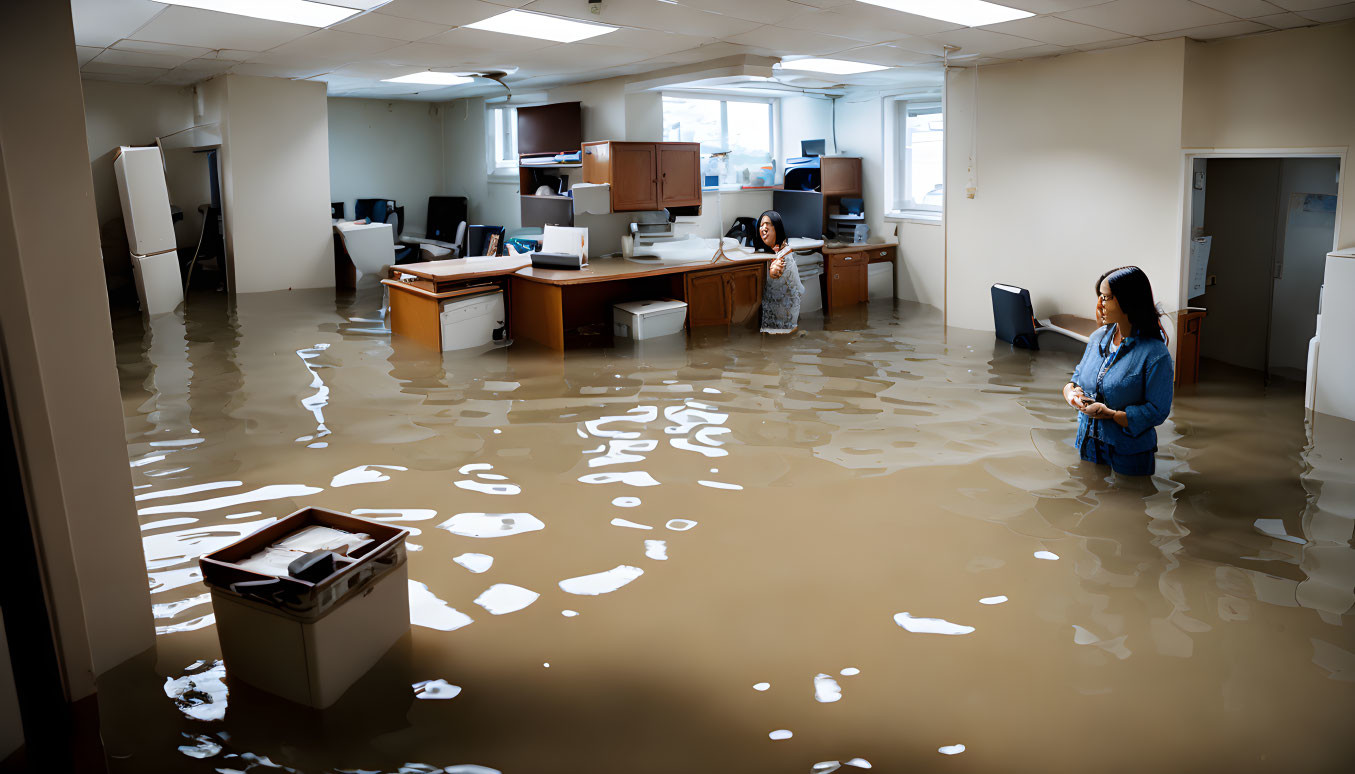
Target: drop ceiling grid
178 45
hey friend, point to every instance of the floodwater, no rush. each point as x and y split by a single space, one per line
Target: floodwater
870 546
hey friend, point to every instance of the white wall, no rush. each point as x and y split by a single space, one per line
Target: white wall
386 149
1079 170
1307 238
804 118
275 160
59 360
466 163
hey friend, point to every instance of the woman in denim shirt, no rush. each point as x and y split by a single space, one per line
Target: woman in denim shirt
1123 386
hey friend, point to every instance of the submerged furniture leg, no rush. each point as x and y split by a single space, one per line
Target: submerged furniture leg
538 313
415 317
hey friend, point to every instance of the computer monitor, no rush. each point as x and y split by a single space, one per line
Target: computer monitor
801 212
813 147
445 214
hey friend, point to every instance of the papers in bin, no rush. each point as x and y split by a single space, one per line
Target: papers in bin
274 559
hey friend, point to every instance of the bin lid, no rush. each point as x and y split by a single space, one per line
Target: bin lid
641 308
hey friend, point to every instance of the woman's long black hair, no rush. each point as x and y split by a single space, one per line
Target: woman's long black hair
1130 286
778 228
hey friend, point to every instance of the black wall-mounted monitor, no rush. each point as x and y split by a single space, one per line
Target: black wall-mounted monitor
801 212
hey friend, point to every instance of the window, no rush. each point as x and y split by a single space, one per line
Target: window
503 128
919 130
737 137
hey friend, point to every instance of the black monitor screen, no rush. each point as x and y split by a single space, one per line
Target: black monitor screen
813 147
801 212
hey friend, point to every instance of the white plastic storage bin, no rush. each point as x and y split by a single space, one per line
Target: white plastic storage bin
880 280
810 267
473 321
159 285
140 173
309 641
648 319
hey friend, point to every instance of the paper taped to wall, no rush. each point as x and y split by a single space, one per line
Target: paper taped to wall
1199 264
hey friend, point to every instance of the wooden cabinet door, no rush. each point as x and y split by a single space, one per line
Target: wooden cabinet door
707 298
841 176
679 174
745 294
634 176
848 285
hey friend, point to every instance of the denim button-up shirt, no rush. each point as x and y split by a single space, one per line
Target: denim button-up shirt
1138 382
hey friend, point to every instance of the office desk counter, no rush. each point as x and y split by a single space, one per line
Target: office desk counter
416 306
559 308
845 271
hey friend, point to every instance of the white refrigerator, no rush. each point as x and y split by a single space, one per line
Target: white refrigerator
150 229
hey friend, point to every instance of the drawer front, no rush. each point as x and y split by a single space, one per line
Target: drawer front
846 259
878 254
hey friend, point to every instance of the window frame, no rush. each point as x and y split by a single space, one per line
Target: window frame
773 120
899 207
500 167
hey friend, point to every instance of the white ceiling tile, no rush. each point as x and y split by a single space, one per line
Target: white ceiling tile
102 23
1284 21
761 11
706 53
147 47
149 73
330 45
857 14
482 41
84 54
1051 6
138 59
275 71
1302 5
825 3
1332 13
1034 52
1049 29
649 43
889 54
209 29
1116 43
231 54
207 67
1213 31
647 14
847 25
787 41
114 77
1147 17
443 12
391 27
1242 9
179 77
975 41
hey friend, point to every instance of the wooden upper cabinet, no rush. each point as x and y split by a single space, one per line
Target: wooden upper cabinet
645 175
679 174
841 175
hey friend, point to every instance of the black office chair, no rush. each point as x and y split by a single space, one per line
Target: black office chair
404 253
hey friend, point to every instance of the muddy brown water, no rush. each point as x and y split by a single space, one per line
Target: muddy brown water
873 539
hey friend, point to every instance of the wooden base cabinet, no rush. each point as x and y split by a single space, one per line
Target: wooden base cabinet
724 296
848 284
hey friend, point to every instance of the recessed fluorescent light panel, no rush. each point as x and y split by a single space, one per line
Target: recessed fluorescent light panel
537 25
970 13
432 79
291 11
832 66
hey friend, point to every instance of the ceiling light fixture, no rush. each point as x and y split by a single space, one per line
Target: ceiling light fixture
430 78
970 13
290 11
541 26
831 66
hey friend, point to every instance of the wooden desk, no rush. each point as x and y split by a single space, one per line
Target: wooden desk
845 272
415 307
557 308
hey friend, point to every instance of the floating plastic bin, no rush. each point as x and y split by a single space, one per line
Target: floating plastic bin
472 321
648 319
309 640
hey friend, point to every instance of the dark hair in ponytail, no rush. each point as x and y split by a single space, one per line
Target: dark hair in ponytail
1130 286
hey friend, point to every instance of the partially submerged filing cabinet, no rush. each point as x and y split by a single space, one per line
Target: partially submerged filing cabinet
309 641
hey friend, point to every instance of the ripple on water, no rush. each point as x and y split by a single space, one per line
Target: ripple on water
504 598
426 610
826 689
930 625
201 692
630 477
436 689
656 549
491 525
603 582
476 563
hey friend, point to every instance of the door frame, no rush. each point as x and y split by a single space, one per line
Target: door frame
1188 156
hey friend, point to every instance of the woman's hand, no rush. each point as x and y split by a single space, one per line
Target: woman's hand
778 266
1102 411
1074 396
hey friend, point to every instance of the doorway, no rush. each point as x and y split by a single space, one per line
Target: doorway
1270 222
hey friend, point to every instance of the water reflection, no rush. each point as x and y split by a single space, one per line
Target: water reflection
877 465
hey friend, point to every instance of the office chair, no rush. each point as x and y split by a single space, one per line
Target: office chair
395 218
